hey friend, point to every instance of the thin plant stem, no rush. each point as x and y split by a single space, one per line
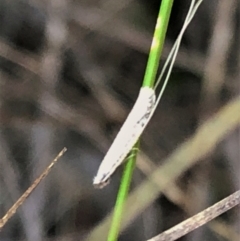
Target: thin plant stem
149 80
157 43
26 194
199 219
122 195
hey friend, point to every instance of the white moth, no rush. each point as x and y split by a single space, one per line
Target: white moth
127 136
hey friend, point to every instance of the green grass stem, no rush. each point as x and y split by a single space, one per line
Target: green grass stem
149 80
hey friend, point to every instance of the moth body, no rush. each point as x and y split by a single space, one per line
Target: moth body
127 136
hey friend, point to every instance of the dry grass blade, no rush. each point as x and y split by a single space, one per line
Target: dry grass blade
177 196
199 219
25 195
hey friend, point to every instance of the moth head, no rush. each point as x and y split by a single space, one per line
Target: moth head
100 182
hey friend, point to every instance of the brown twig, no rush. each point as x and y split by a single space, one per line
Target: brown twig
25 195
180 198
199 219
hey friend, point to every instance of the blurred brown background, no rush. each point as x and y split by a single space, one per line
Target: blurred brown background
70 72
